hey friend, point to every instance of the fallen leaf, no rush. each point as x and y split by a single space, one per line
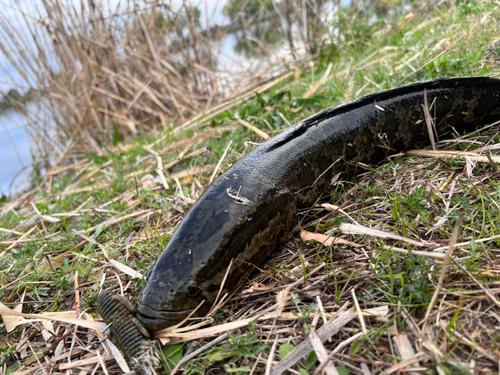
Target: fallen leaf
326 240
14 318
256 288
488 272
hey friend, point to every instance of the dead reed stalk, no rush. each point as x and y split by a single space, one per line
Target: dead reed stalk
101 75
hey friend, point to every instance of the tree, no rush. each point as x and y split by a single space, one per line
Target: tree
261 24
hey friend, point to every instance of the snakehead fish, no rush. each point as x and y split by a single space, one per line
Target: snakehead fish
252 206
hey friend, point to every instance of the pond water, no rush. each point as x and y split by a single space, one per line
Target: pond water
15 151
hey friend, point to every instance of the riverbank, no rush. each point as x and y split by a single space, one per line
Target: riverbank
103 221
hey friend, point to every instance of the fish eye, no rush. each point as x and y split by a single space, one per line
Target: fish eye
192 291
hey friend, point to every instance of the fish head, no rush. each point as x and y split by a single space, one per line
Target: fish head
171 295
193 266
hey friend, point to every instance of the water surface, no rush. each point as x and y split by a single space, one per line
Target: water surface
15 150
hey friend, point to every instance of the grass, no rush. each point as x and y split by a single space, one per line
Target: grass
68 219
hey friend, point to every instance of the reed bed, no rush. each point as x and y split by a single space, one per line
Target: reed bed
101 76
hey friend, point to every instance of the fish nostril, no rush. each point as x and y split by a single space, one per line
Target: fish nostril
171 291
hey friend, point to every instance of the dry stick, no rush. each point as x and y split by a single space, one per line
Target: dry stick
281 299
94 242
491 355
215 305
113 221
52 347
361 229
102 363
325 360
334 208
365 370
256 364
14 243
363 360
11 231
77 295
324 333
453 154
141 91
446 262
358 310
419 69
256 130
220 162
426 254
83 362
339 347
428 121
410 321
404 348
199 351
192 333
159 169
183 157
461 244
320 83
181 193
37 359
271 356
55 172
480 130
401 365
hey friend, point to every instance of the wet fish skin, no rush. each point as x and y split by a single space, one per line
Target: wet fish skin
252 207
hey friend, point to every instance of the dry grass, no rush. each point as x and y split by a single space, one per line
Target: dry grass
100 76
373 293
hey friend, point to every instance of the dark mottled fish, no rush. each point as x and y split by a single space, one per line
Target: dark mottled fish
250 208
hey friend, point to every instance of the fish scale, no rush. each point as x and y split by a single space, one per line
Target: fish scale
141 353
252 207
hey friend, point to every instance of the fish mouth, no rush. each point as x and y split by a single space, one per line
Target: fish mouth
155 320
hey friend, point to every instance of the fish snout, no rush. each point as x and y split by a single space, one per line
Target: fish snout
155 320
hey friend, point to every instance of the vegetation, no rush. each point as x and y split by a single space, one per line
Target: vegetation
14 96
99 74
123 204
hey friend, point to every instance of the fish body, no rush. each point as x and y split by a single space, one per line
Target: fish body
252 207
